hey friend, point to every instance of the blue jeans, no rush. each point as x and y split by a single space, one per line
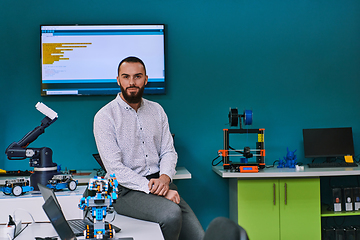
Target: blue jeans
177 221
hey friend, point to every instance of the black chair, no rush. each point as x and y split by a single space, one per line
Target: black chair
222 228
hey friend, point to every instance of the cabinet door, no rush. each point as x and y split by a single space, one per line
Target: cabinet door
300 209
258 208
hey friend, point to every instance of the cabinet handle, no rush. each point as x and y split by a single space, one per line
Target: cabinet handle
274 191
285 185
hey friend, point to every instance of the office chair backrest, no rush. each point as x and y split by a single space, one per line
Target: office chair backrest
222 228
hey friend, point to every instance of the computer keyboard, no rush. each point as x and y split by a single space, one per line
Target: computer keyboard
331 164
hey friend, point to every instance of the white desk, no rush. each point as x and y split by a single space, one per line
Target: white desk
83 176
130 227
182 173
31 203
288 172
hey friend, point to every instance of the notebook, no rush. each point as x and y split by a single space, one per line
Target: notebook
77 225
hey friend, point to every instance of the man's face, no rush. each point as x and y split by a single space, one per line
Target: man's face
132 80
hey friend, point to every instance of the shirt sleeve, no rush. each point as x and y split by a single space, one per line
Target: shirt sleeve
110 153
168 155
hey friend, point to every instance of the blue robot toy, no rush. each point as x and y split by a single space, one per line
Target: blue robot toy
105 193
289 161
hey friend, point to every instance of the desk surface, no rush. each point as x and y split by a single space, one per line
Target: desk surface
130 227
83 176
31 202
288 172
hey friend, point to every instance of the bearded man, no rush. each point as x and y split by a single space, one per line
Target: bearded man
134 142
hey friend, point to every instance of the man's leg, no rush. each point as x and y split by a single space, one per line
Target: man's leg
191 227
152 208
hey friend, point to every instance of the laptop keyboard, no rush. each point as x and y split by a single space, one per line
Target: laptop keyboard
79 225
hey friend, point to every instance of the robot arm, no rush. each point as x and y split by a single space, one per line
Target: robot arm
17 150
40 158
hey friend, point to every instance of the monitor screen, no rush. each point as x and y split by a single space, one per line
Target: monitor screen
83 59
328 142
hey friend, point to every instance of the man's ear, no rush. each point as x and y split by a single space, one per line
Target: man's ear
118 80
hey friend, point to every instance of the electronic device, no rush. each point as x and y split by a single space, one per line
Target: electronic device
99 161
58 220
348 199
77 225
259 152
337 199
331 164
40 158
356 194
83 59
328 142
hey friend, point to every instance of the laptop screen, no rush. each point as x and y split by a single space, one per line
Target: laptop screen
47 192
58 220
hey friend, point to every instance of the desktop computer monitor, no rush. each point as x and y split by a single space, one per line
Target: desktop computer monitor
328 142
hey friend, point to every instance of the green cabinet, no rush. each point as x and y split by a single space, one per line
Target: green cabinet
279 208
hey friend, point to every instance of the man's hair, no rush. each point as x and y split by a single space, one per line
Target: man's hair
131 60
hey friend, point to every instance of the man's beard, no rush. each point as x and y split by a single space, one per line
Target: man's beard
133 97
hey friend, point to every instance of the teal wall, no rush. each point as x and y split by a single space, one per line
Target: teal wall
296 64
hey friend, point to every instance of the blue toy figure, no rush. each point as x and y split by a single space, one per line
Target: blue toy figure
99 205
289 161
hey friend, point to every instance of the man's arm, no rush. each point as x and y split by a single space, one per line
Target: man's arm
110 153
168 155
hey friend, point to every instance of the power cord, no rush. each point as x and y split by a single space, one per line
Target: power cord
18 224
213 164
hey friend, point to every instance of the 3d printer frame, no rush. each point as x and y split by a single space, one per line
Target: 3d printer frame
244 167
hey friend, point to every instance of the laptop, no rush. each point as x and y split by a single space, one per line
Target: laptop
99 161
77 225
59 222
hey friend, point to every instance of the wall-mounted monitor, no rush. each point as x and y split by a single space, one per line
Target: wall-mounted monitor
328 142
83 59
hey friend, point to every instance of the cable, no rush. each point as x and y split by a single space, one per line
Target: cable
214 161
33 221
22 229
113 218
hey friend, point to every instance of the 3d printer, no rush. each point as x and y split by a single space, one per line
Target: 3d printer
40 158
246 153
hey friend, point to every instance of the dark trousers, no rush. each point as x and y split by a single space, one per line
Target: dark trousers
177 221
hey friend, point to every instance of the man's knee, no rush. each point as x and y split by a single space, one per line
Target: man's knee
171 216
170 220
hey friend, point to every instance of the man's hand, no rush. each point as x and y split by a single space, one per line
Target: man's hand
173 195
159 186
